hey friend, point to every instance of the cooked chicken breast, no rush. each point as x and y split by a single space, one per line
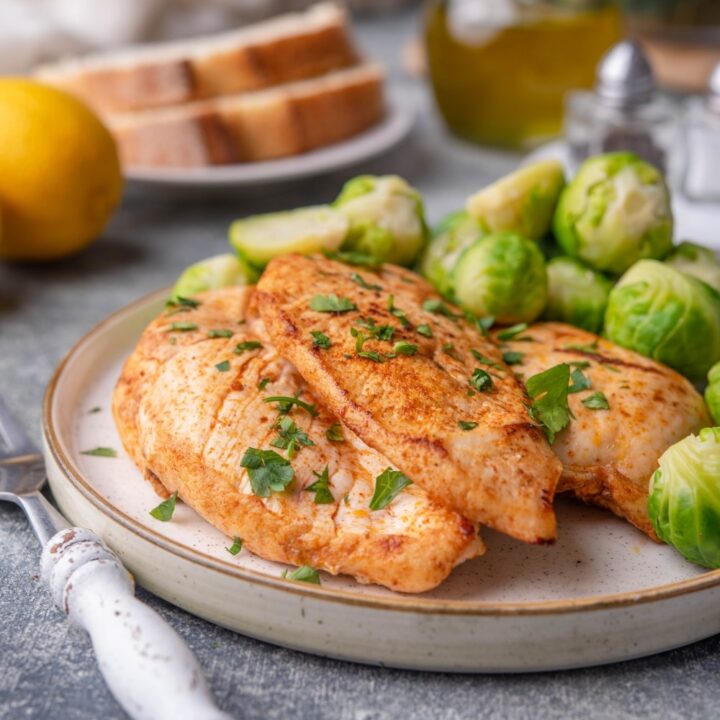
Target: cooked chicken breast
188 406
420 385
610 455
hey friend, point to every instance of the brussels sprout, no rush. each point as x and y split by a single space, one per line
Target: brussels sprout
615 212
576 294
386 218
696 260
522 202
684 503
455 233
502 275
260 238
712 392
666 315
212 273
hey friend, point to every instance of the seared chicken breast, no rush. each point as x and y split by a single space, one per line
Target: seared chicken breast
190 403
417 382
609 455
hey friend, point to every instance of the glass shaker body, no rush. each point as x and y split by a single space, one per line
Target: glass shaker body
701 175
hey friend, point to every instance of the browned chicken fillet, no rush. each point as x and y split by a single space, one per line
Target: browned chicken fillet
609 455
415 408
188 411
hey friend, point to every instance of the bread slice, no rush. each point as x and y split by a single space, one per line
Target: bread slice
285 49
267 124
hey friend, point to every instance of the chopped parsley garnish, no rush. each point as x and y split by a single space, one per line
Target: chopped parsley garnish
425 330
396 312
481 381
485 360
263 383
437 306
321 488
94 410
331 304
222 333
580 364
371 355
388 484
290 437
181 327
285 403
449 349
467 425
268 471
511 357
100 452
303 574
320 340
512 332
596 401
549 392
236 547
181 304
380 332
223 366
484 324
164 511
240 348
360 280
335 433
591 348
355 258
579 381
402 347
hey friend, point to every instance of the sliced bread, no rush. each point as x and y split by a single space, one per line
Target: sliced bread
285 49
252 127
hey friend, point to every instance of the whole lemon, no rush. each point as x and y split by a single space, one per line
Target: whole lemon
60 175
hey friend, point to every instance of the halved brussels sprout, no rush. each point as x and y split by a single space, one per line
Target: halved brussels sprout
614 212
260 238
502 275
576 294
684 503
522 202
455 233
712 392
386 216
666 315
696 260
212 273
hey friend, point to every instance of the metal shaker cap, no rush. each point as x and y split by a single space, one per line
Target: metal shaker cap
625 77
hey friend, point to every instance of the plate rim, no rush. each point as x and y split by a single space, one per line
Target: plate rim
399 602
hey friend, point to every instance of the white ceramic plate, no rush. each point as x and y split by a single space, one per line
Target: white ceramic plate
603 593
380 138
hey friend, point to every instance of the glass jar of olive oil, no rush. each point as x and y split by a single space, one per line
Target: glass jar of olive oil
500 68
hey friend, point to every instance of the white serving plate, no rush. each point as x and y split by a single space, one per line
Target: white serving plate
603 593
389 132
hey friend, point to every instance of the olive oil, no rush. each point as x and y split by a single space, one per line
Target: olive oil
504 85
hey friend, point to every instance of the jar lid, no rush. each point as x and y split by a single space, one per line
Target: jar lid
625 77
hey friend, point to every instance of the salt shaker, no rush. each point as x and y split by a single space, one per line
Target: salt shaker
701 178
624 112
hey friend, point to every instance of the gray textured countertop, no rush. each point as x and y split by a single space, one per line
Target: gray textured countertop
47 669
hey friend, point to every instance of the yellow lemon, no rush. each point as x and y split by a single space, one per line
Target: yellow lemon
60 176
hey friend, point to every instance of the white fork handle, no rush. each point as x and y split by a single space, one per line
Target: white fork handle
149 669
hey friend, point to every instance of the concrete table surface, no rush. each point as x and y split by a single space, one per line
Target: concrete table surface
47 668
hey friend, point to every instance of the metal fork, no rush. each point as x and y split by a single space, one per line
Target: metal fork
148 667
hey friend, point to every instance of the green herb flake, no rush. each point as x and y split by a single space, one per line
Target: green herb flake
321 488
467 425
549 392
164 511
512 332
335 433
320 340
579 381
425 330
580 364
242 347
223 366
268 471
181 327
263 383
285 404
94 410
485 360
596 401
371 355
181 304
388 484
511 357
591 348
402 347
360 280
449 349
222 333
100 452
303 574
354 258
481 381
290 437
331 304
438 307
236 546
